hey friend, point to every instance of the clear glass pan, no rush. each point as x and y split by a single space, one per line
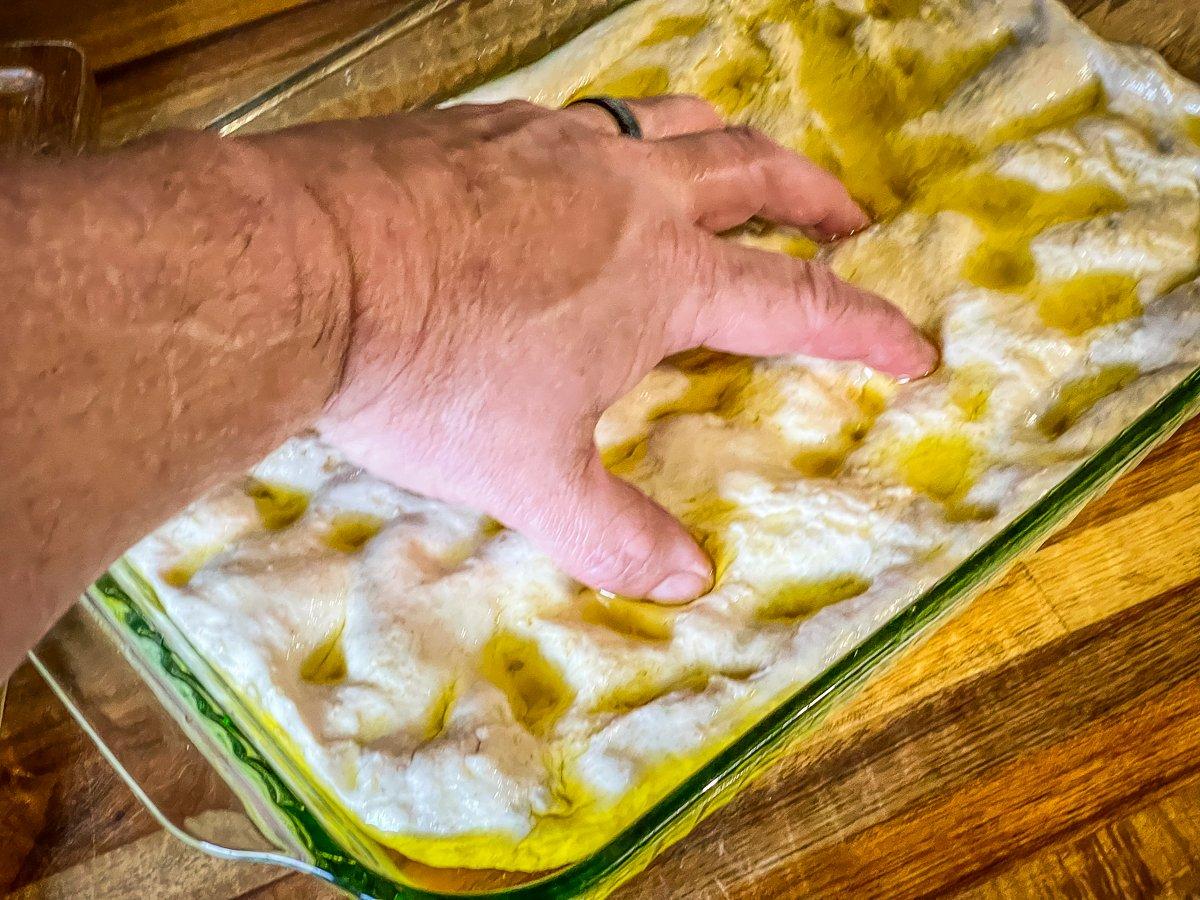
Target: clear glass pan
201 761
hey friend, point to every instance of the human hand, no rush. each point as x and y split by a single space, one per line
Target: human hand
518 269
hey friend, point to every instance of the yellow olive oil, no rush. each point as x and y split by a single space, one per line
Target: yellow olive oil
800 599
732 85
537 693
179 574
669 28
942 466
649 688
970 391
645 81
439 712
326 663
1088 301
716 383
1080 395
707 518
625 457
638 619
350 532
278 505
827 459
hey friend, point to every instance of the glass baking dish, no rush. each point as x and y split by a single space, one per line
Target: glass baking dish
203 763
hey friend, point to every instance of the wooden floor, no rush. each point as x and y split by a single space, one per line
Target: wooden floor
1046 742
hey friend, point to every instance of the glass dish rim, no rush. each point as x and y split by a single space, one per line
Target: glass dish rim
410 14
719 779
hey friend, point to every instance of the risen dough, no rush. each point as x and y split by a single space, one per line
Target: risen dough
1037 191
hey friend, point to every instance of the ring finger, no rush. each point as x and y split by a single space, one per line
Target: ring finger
668 115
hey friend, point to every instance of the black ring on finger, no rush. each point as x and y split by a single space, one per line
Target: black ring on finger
617 108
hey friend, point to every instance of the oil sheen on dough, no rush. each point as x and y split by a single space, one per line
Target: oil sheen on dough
1037 198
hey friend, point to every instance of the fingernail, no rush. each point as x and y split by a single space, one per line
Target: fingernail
849 232
680 587
935 359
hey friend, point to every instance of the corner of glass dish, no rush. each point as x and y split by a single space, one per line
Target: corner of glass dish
191 774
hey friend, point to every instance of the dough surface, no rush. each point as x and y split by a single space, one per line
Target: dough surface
1038 205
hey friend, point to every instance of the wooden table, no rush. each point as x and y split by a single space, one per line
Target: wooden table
1046 742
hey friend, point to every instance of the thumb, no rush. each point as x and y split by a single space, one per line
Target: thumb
611 536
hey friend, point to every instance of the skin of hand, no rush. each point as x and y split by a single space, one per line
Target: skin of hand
549 263
451 297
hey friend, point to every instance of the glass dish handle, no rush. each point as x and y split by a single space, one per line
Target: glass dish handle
180 766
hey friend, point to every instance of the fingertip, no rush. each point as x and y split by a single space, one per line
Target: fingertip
847 220
675 571
680 587
688 570
930 359
856 219
855 323
620 541
908 355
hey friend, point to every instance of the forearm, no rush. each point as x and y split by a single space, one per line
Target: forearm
170 313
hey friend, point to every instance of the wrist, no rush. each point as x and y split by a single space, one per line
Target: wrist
317 262
380 213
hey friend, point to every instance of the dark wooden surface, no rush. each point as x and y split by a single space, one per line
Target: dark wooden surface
1046 742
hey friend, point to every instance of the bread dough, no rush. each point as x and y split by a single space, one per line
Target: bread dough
467 703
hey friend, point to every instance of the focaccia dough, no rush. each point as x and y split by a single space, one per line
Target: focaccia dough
465 701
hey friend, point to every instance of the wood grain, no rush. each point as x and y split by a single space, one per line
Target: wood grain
188 86
120 31
1044 743
113 32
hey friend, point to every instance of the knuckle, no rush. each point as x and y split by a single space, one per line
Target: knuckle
675 244
700 108
572 144
727 275
748 138
814 287
626 153
702 277
749 149
517 106
715 275
742 140
636 164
